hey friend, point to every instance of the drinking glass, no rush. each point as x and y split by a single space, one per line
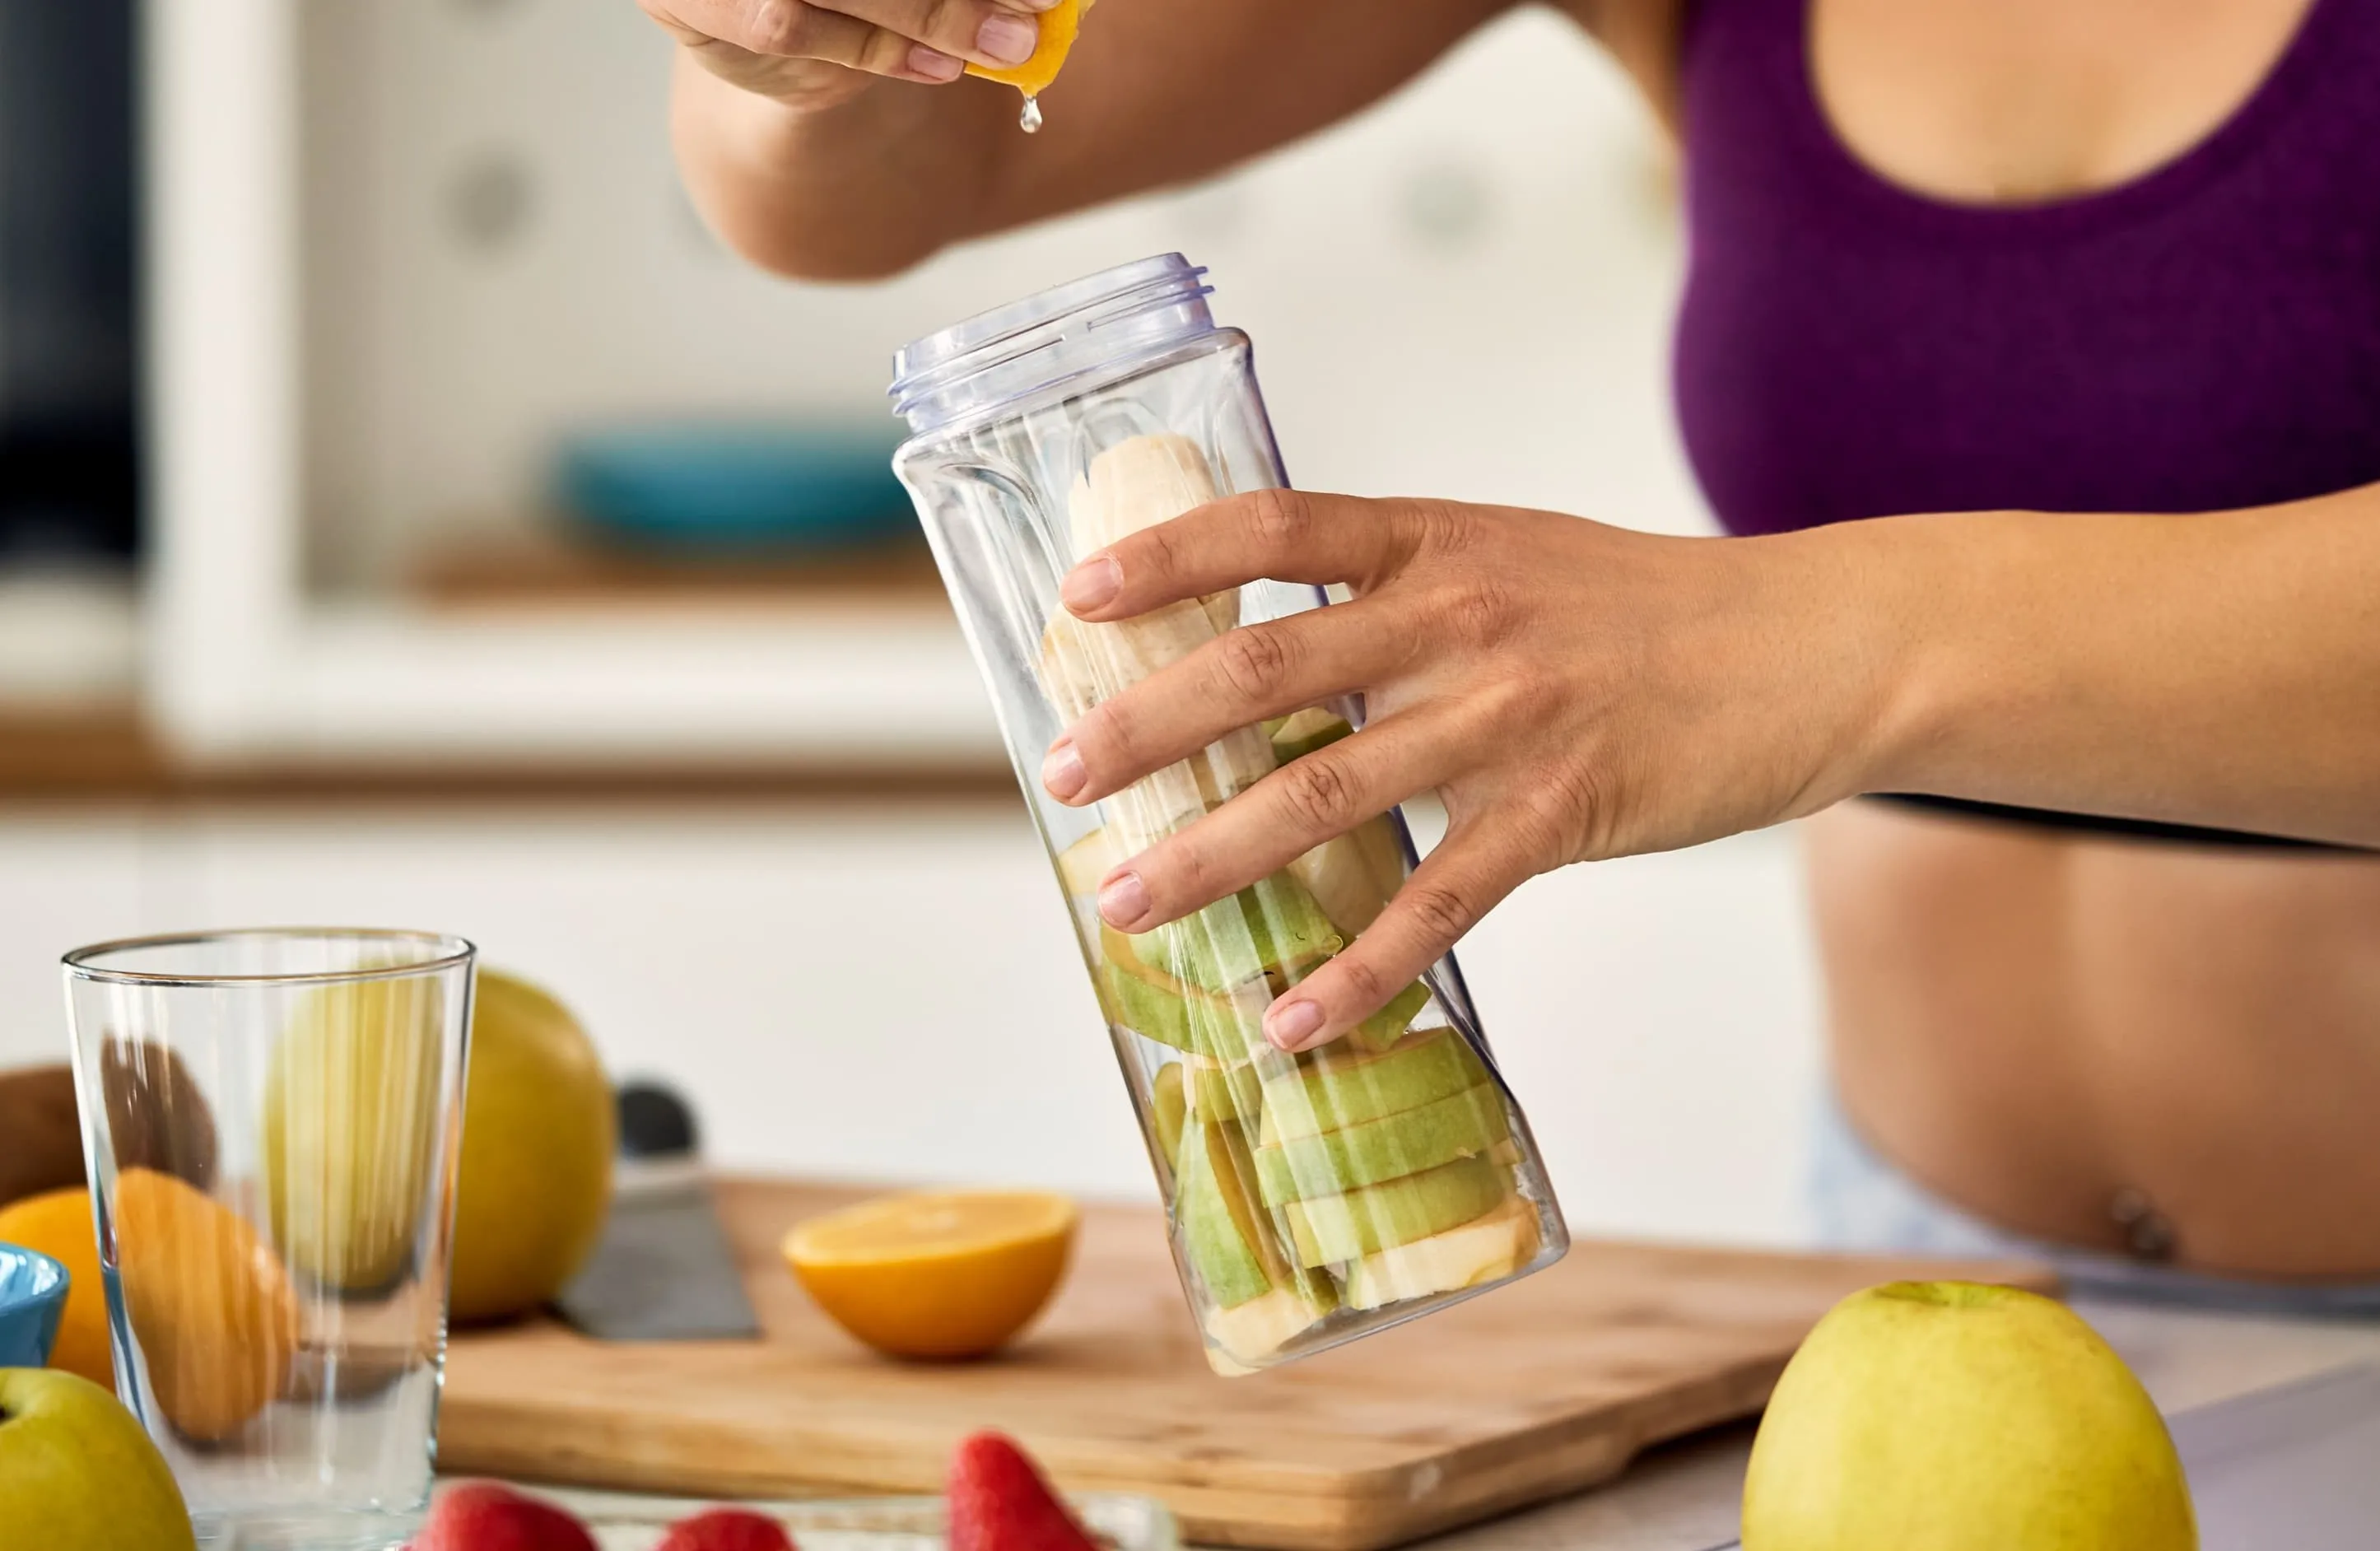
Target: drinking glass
272 1121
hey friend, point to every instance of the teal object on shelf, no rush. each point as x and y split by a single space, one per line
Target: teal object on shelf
32 1300
706 485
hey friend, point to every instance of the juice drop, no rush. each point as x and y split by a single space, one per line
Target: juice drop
1030 119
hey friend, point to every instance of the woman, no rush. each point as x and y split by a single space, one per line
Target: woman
2032 349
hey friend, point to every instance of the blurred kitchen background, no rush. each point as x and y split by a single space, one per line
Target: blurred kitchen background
357 358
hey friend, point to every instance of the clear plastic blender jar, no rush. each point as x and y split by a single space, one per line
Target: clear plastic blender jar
1311 1198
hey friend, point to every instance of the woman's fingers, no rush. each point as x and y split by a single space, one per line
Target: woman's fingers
1280 819
911 40
1264 669
988 33
1458 883
1285 535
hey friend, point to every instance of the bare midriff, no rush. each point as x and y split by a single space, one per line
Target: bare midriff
2161 1050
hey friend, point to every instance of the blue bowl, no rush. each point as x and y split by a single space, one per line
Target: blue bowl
712 485
32 1296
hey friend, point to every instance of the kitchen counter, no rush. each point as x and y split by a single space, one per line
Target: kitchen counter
1684 1498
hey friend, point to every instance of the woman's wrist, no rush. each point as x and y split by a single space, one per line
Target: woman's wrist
1891 600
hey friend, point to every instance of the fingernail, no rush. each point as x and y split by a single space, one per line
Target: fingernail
1062 769
1091 584
934 65
1007 40
1291 1024
1123 899
1027 5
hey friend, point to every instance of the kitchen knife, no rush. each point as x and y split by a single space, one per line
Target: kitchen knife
664 1270
2285 1468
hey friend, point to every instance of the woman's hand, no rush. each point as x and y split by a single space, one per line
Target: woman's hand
1571 691
821 54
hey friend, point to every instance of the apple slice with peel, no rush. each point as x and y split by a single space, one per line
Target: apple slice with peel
1460 1125
1329 1229
1230 1245
1474 1253
1168 1107
1151 1003
1082 865
1335 1087
1296 736
1271 931
1354 875
1238 1338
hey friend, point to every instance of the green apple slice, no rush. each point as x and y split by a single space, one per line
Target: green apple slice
1460 1125
1334 1228
1083 864
1228 1240
1353 876
1169 1105
1271 931
1299 734
1334 1088
1220 1232
1223 1090
1383 1029
1153 1004
1484 1250
1240 1339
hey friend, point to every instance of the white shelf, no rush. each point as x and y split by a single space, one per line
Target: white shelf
849 688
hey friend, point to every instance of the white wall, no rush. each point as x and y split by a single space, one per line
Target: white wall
894 994
1465 293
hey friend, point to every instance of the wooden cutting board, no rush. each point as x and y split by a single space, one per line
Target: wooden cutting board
1535 1390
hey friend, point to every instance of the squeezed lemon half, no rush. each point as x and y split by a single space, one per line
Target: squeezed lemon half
1058 25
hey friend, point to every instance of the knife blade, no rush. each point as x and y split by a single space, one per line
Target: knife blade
664 1270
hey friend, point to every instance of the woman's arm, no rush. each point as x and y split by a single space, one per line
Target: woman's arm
2220 670
1575 691
809 164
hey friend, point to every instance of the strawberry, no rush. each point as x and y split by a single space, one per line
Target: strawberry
483 1516
1000 1502
726 1529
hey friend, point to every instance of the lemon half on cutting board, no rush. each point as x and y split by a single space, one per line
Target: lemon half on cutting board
947 1275
1058 25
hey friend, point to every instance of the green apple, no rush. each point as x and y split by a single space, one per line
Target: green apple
1460 1125
350 1112
1959 1417
1336 1086
533 1189
1331 1228
77 1470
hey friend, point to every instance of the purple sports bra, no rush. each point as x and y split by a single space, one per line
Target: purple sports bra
2205 336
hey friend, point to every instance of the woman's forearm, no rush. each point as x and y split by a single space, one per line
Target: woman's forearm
2218 670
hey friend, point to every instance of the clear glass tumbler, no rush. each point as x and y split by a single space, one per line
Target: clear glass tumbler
1312 1198
272 1121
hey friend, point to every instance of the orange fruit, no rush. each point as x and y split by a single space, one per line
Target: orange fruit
945 1275
57 1223
1058 25
209 1304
